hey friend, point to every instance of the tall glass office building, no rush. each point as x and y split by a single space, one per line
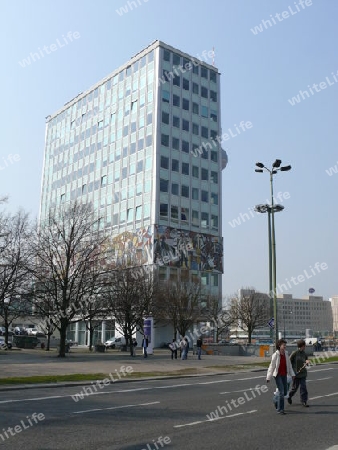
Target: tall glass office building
143 146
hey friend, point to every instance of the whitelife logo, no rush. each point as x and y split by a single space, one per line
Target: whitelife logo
48 49
285 15
332 170
303 95
129 7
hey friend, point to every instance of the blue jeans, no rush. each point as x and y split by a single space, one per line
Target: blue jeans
199 352
282 385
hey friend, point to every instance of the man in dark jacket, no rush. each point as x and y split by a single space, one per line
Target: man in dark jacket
145 346
299 361
199 347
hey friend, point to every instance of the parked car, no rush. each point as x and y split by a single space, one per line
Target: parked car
3 332
35 332
110 343
119 342
3 344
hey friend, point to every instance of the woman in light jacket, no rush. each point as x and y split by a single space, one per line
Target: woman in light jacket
280 367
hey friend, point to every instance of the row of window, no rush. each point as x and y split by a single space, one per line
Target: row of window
196 109
203 92
196 172
196 193
203 219
187 64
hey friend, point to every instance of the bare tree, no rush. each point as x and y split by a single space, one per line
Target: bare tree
214 312
179 305
130 295
15 259
249 310
68 268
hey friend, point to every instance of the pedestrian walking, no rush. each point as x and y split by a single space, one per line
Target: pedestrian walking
183 346
134 342
199 344
173 348
145 343
186 347
280 367
299 361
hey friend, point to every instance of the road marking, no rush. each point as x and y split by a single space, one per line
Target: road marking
214 420
240 390
34 399
251 378
213 382
330 395
114 407
172 386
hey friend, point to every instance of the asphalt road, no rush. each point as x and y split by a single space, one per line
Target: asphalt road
134 415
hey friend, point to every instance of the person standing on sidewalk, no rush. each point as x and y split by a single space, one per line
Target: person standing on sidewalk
280 367
173 348
199 347
145 346
299 361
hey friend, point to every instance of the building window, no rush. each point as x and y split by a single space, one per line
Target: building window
195 69
185 84
185 104
204 72
213 96
176 121
195 217
165 117
185 191
174 165
214 198
204 174
213 134
104 181
213 115
184 214
185 125
176 100
204 92
204 111
214 177
164 185
195 129
195 108
195 171
212 76
195 88
175 143
205 132
204 196
214 156
166 55
185 168
174 212
214 221
195 193
204 220
177 80
165 140
164 209
185 146
165 96
174 188
176 59
164 162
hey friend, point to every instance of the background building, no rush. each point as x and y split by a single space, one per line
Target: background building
143 145
334 306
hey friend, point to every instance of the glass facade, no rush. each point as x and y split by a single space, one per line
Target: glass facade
142 147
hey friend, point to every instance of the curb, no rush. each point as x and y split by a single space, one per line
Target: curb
127 380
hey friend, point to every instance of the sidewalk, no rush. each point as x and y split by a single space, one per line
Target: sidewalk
25 363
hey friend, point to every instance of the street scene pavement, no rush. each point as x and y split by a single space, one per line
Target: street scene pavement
231 409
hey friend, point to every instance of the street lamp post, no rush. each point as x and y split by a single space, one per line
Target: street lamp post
265 208
276 166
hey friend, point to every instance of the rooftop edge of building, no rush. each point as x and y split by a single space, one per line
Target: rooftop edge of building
152 46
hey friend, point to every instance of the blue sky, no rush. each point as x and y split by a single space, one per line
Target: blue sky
260 73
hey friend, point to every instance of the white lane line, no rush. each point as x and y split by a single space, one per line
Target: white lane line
330 395
34 399
251 378
315 398
240 390
172 386
321 379
114 407
320 370
214 420
213 382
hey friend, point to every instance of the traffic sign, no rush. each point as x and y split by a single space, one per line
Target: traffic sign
271 322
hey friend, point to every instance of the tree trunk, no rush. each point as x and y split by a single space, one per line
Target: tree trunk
91 335
48 342
63 333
